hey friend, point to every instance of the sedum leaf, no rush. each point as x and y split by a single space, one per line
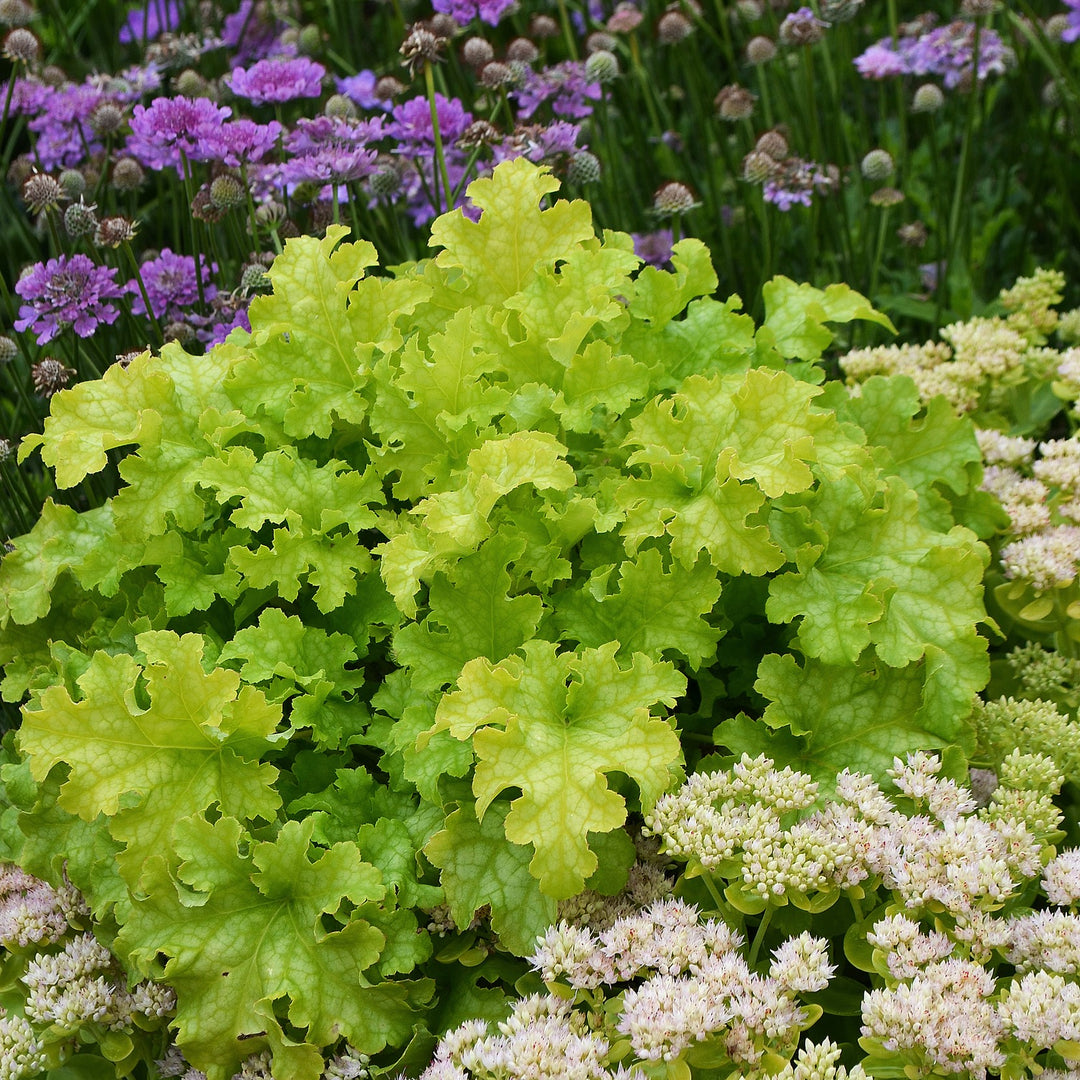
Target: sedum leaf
554 725
195 744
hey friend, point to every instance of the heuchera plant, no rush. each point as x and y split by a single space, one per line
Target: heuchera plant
423 590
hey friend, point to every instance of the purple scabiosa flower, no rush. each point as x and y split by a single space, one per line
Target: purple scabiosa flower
132 84
330 165
794 183
1072 30
273 82
172 128
411 126
880 61
62 125
238 142
150 19
66 292
229 318
564 86
464 11
170 285
654 247
360 90
949 50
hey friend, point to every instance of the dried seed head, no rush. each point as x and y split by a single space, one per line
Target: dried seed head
178 331
838 11
114 231
477 51
673 198
602 67
600 41
1056 25
442 24
42 192
801 27
227 192
387 88
107 118
735 102
338 105
124 359
478 133
49 376
21 46
972 9
758 166
913 235
673 27
8 350
127 175
522 50
583 168
421 46
928 98
760 50
886 197
15 12
73 183
53 75
543 26
253 278
877 165
80 219
270 214
773 143
1051 94
385 181
20 170
625 19
497 74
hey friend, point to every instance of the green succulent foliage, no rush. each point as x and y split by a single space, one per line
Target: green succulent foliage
411 591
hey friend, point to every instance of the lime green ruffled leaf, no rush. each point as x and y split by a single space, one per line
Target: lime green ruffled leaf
198 742
502 252
659 295
245 932
480 867
554 726
648 609
795 316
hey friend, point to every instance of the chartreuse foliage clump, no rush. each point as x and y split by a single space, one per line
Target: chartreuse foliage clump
419 595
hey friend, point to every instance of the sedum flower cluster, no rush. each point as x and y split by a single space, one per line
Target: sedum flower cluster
1035 725
71 990
979 363
961 974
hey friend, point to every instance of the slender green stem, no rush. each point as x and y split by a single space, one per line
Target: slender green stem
188 183
142 290
568 33
759 936
440 157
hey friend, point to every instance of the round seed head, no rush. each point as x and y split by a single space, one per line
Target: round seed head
127 175
310 41
253 278
477 51
21 46
80 219
442 24
107 118
179 331
478 133
114 231
877 165
734 102
227 192
972 9
53 75
748 10
203 207
338 105
543 26
673 198
928 98
124 359
522 50
1051 94
760 50
15 12
497 74
600 41
7 450
801 27
20 170
583 168
625 19
837 11
385 181
758 166
270 214
673 27
49 376
913 235
8 350
73 183
421 46
42 192
602 67
1056 25
773 143
886 196
191 84
387 88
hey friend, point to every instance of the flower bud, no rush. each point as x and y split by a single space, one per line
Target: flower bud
191 84
73 183
928 98
310 41
80 219
584 168
227 192
338 105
